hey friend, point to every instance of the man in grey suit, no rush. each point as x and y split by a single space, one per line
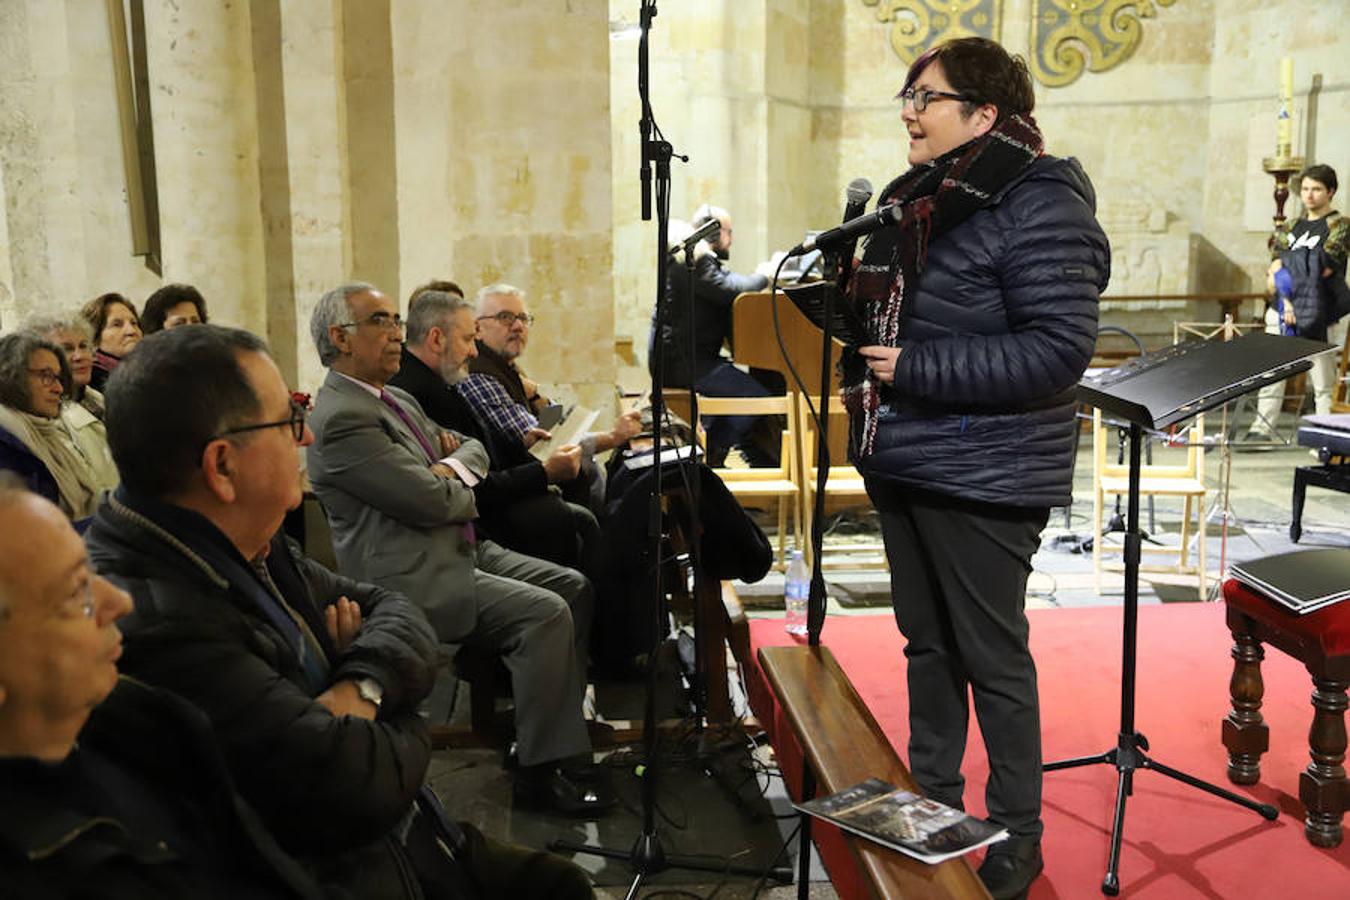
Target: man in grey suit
398 493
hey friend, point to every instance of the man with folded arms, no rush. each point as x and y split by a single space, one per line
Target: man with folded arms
312 681
399 496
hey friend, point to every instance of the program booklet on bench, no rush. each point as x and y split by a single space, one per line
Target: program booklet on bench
924 829
1304 580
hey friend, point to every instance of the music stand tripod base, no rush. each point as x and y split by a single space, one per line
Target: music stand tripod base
1155 391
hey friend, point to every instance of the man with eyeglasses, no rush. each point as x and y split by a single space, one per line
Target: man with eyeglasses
399 493
109 787
496 387
514 497
311 680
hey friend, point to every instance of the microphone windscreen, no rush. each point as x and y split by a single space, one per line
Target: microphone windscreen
859 190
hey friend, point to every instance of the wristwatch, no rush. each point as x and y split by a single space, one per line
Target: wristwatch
369 690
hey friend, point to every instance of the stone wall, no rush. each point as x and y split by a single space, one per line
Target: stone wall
301 143
1172 138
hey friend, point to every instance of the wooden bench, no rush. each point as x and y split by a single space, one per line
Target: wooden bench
842 744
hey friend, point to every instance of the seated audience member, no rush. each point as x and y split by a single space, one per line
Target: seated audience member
34 379
513 498
75 338
311 680
109 788
398 495
503 396
437 284
710 373
172 306
117 330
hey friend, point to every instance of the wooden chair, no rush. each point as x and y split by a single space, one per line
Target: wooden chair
779 483
1186 481
844 483
1321 641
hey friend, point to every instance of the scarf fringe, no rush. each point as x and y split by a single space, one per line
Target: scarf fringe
935 197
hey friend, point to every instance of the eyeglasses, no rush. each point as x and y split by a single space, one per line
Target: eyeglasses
382 321
47 377
80 604
921 97
506 319
299 412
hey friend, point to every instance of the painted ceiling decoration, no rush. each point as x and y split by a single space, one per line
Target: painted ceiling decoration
1068 37
919 24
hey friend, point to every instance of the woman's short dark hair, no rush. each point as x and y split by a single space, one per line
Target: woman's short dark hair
1320 172
982 71
15 352
96 312
166 401
158 304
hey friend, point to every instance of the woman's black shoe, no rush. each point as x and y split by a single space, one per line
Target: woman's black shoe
1010 867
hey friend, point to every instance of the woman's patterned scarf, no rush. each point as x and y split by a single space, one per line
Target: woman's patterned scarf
935 197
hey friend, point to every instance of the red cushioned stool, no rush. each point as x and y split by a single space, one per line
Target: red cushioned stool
1321 641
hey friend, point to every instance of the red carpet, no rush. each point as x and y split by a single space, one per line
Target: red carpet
1179 842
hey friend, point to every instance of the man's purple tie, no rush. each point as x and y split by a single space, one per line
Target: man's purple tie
470 536
402 413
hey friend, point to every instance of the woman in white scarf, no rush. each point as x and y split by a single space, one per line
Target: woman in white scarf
35 379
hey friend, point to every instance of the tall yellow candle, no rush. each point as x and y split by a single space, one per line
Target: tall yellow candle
1284 126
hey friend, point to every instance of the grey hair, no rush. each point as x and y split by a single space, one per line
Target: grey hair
492 290
432 309
15 352
71 320
334 308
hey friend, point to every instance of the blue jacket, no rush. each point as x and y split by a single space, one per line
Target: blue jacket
17 458
1001 328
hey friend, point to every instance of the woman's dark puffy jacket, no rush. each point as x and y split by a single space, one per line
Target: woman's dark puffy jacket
1002 327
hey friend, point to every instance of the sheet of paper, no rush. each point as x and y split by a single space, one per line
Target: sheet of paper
571 430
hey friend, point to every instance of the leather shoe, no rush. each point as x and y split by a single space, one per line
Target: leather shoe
1010 866
572 790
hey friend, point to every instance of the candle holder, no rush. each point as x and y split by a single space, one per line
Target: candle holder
1281 166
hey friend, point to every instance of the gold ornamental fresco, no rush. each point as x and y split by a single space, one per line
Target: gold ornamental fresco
1068 37
917 25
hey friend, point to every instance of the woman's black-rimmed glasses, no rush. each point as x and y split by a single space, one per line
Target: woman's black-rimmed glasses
921 97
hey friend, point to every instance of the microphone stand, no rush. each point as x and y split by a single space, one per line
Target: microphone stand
647 855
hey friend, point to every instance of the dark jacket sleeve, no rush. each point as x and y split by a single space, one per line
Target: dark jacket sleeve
501 487
320 782
395 646
716 284
1051 268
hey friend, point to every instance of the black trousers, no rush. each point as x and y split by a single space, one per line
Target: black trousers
958 586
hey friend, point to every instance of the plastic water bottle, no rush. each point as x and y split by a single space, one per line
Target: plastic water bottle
796 593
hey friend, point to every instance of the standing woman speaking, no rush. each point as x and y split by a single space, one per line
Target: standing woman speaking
982 310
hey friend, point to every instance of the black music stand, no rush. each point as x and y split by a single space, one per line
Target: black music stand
1156 391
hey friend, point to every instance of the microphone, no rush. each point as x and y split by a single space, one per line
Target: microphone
850 230
708 229
857 194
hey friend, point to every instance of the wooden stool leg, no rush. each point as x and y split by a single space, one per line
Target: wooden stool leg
1245 733
1322 787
